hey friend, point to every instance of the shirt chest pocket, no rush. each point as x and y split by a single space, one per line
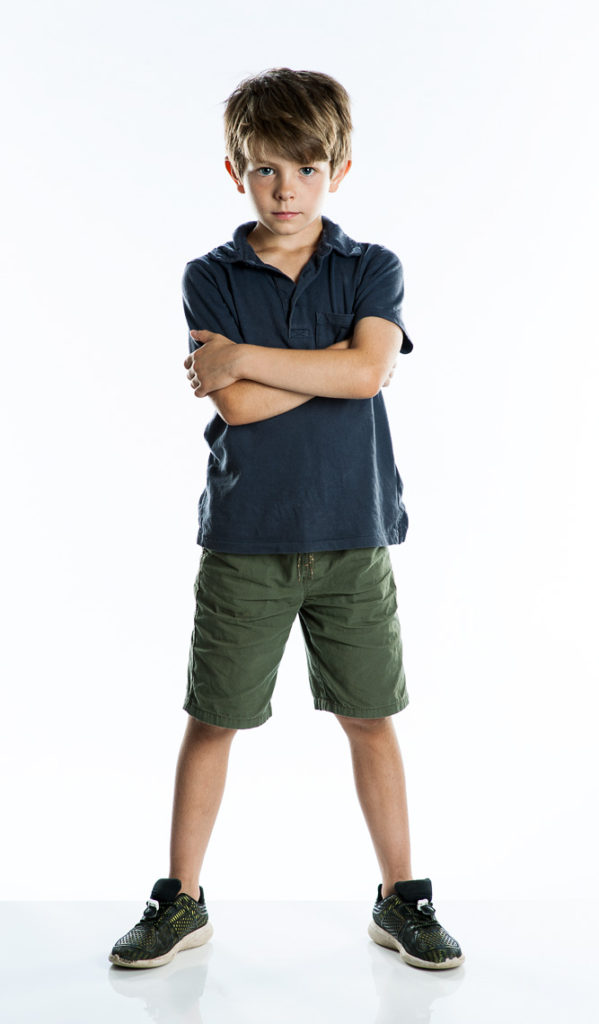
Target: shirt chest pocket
333 327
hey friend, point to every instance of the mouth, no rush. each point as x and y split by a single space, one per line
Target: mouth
285 213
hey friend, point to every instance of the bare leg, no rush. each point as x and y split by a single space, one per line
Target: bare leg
381 789
199 787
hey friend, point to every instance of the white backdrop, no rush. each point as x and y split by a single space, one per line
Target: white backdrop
475 159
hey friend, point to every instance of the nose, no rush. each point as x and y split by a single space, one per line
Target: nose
283 189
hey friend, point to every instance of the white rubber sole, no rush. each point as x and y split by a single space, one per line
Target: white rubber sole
383 938
191 941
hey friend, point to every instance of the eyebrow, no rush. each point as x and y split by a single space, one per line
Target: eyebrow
272 163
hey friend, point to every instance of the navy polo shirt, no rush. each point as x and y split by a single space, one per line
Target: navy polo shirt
321 476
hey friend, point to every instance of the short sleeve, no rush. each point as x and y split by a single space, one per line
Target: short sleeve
380 290
206 306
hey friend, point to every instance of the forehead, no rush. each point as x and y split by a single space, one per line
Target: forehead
265 158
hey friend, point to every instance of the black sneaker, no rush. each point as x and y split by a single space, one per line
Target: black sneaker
169 924
405 920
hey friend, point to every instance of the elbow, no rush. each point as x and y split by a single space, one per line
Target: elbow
225 409
234 405
235 417
371 384
231 418
227 415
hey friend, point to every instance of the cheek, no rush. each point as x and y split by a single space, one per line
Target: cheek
320 188
258 190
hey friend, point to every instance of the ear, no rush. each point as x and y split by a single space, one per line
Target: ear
229 167
339 176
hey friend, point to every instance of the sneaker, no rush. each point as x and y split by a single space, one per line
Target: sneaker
405 920
169 924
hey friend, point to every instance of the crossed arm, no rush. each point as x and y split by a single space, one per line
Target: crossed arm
248 383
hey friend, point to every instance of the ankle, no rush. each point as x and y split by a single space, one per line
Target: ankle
187 886
389 888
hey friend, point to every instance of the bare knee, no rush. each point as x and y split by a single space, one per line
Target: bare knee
197 730
363 726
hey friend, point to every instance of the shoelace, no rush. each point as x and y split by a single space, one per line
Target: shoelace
152 911
427 910
422 910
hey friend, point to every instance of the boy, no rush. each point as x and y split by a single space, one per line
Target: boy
295 329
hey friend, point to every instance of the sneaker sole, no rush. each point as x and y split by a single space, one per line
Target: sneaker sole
383 938
191 941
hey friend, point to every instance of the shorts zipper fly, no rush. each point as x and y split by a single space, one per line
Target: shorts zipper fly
308 563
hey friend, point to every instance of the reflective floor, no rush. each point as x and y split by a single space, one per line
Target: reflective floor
288 962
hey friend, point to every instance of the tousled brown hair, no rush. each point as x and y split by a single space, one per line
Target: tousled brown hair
299 115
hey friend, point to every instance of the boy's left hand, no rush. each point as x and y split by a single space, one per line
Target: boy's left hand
213 366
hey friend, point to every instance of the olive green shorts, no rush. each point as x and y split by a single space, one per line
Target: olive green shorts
245 607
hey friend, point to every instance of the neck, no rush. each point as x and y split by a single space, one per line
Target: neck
261 239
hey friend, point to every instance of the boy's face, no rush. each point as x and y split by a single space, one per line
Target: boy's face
275 184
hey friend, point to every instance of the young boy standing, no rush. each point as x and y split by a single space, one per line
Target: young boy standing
294 329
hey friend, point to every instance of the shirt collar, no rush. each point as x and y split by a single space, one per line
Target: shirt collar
332 237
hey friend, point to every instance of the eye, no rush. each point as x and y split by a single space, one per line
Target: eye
311 172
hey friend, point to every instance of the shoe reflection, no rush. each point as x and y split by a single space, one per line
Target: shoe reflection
170 993
408 993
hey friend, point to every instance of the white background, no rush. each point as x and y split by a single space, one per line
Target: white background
475 159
